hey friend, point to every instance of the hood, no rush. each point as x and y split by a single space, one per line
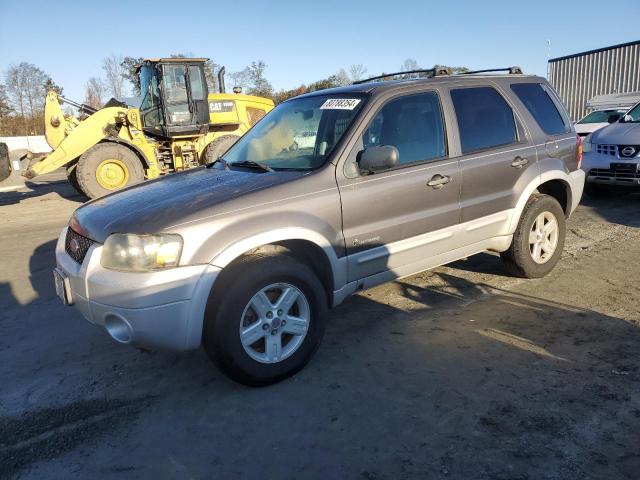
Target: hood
618 134
153 206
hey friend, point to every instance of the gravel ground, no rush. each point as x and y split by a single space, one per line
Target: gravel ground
462 372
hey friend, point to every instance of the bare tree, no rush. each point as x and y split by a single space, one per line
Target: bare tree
343 78
409 64
114 74
25 85
5 105
94 92
253 79
129 72
357 72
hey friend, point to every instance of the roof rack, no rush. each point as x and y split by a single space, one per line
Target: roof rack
432 72
512 71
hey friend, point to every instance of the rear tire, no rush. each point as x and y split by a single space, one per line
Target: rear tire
539 239
231 311
107 167
219 147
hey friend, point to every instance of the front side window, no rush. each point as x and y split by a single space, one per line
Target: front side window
298 134
413 124
485 119
150 92
541 107
175 93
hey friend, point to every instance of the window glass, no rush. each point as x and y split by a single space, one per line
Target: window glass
197 83
150 92
412 124
602 116
255 114
634 113
540 106
485 119
175 91
299 133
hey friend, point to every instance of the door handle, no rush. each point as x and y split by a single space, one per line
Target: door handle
519 162
438 181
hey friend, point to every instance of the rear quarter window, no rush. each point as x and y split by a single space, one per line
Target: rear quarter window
541 107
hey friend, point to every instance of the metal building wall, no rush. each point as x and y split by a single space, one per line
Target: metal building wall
577 78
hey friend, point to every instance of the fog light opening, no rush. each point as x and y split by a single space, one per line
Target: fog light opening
118 328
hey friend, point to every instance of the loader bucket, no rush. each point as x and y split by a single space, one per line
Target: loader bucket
5 163
11 164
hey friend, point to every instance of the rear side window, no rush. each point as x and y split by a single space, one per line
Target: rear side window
412 124
541 107
485 119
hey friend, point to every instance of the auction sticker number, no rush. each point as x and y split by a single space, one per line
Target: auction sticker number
340 104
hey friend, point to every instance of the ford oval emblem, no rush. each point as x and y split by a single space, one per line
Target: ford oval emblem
75 245
628 151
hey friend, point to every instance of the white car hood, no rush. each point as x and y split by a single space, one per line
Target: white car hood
589 127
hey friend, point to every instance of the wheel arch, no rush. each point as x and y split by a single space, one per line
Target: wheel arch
553 182
307 246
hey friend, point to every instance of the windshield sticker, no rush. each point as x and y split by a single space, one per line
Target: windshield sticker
340 104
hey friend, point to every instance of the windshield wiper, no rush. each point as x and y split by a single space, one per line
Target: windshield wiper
252 164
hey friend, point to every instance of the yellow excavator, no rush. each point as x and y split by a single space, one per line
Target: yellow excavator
177 125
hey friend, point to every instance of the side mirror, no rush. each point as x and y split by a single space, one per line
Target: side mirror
374 159
613 118
627 118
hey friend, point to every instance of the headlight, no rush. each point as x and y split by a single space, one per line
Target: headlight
141 253
586 144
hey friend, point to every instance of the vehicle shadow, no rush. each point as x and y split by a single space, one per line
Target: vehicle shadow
618 208
426 374
41 188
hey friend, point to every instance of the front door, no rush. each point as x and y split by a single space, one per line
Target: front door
395 218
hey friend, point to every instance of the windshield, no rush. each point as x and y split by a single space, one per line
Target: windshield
602 116
634 113
298 134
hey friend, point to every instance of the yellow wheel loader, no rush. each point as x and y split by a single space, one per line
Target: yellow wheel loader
177 125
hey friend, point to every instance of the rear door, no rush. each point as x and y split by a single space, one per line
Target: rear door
551 122
394 218
497 158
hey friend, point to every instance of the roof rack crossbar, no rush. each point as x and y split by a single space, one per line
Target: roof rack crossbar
512 71
433 72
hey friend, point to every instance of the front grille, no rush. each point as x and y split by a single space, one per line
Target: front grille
76 245
606 149
620 173
628 151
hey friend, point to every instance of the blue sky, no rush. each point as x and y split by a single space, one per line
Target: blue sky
305 41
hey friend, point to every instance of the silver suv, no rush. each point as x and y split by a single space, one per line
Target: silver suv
247 255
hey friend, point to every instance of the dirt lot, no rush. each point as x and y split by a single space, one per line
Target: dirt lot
463 372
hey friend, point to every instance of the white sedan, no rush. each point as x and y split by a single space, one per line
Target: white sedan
596 120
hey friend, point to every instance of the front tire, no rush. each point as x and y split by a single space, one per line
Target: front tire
107 167
538 240
265 320
72 177
219 147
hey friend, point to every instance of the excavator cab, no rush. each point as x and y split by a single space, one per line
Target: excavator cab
174 97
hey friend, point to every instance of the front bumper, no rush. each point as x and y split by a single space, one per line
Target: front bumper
163 309
600 169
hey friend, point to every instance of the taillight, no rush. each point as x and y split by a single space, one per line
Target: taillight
579 148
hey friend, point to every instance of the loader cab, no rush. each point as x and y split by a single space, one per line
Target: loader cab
174 97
